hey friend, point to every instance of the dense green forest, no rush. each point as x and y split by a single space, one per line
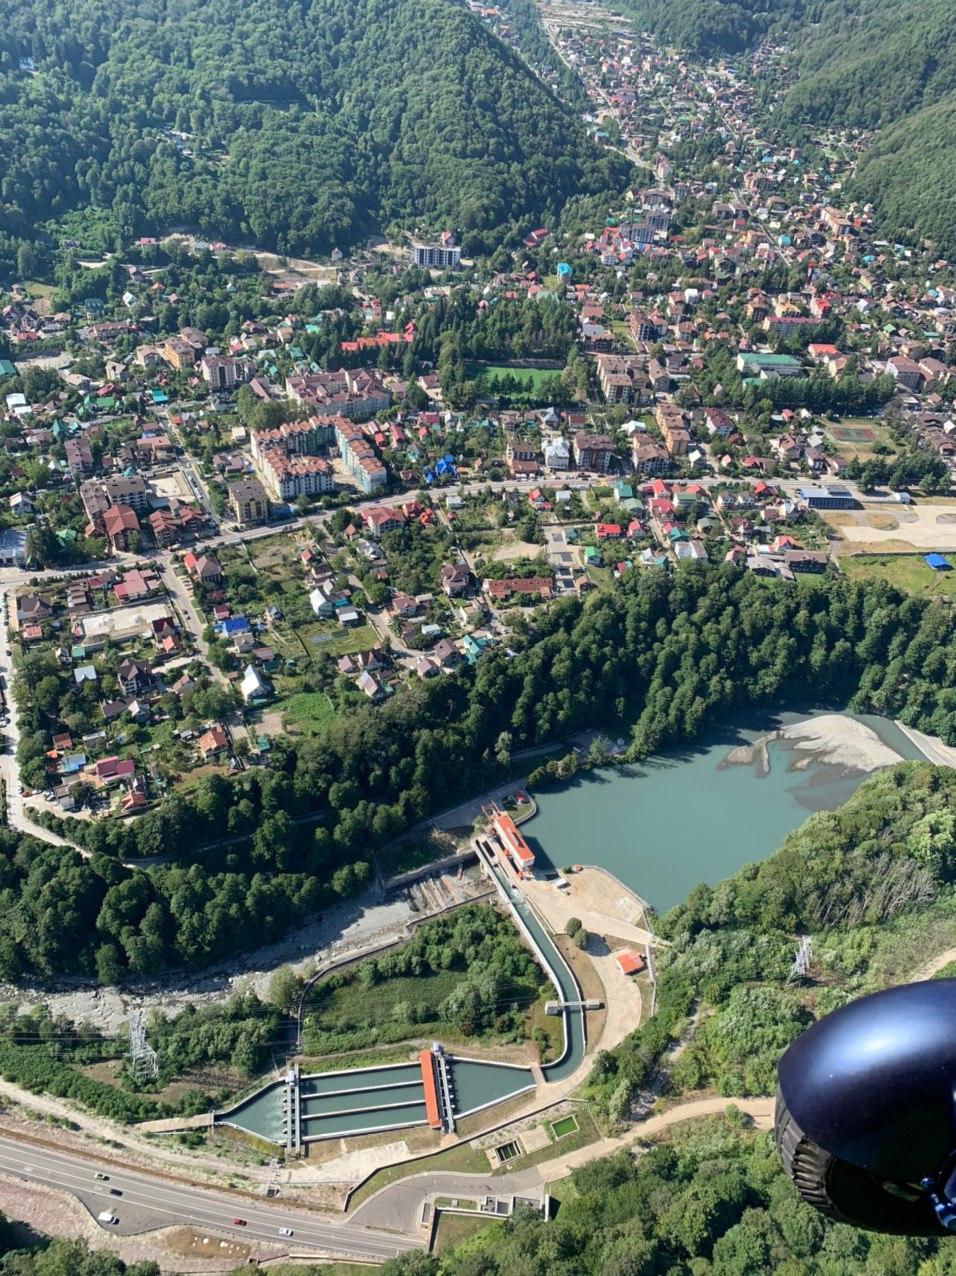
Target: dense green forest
298 126
664 654
61 1257
710 28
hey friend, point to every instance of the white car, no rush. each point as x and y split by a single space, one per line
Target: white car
107 1217
285 1231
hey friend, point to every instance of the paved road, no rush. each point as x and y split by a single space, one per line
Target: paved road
399 1206
148 1202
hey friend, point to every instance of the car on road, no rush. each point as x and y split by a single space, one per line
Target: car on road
285 1231
238 1222
115 1191
103 1177
107 1217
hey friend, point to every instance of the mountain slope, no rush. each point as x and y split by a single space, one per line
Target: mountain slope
860 63
303 124
892 68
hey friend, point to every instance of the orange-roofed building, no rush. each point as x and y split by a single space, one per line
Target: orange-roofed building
515 847
630 963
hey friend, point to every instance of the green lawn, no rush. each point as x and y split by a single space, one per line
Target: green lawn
453 1229
463 1159
309 711
336 641
426 992
530 377
907 571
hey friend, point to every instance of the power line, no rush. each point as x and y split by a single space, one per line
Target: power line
141 1054
802 959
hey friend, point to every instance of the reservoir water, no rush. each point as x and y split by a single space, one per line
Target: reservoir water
687 817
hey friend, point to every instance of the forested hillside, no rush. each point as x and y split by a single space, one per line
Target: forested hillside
299 126
861 63
713 27
893 68
872 883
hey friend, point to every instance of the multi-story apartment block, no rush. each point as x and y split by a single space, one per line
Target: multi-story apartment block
445 255
249 502
289 477
593 452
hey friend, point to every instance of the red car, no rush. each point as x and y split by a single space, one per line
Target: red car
238 1222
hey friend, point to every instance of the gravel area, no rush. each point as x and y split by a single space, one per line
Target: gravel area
840 739
348 927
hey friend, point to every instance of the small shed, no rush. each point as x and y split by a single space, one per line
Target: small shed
938 563
631 963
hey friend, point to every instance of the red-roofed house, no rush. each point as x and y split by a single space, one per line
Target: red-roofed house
113 770
381 519
119 524
212 741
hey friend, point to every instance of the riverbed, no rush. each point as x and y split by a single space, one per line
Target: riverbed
698 814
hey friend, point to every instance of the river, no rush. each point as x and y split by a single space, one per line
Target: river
687 816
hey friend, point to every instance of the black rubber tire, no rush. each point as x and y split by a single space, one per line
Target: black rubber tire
846 1193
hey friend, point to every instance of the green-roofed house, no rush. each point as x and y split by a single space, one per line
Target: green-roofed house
7 369
764 365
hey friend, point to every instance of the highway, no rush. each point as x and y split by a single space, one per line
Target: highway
149 1201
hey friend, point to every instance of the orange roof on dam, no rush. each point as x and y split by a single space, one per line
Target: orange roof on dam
431 1090
512 840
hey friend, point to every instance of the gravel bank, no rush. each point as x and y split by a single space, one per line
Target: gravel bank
834 738
348 927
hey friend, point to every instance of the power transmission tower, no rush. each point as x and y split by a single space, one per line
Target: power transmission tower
801 962
142 1056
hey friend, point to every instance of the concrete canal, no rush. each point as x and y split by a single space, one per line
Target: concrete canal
661 828
436 1091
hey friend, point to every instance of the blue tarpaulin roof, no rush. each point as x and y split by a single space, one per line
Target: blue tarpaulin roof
938 563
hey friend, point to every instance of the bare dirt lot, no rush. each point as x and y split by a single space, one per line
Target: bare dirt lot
925 526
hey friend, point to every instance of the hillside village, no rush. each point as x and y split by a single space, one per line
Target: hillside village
251 492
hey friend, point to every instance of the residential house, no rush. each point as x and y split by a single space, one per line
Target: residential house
649 456
501 591
120 525
557 454
455 578
113 770
213 742
381 519
133 677
203 567
253 687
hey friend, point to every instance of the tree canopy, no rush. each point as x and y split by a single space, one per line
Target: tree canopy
300 127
